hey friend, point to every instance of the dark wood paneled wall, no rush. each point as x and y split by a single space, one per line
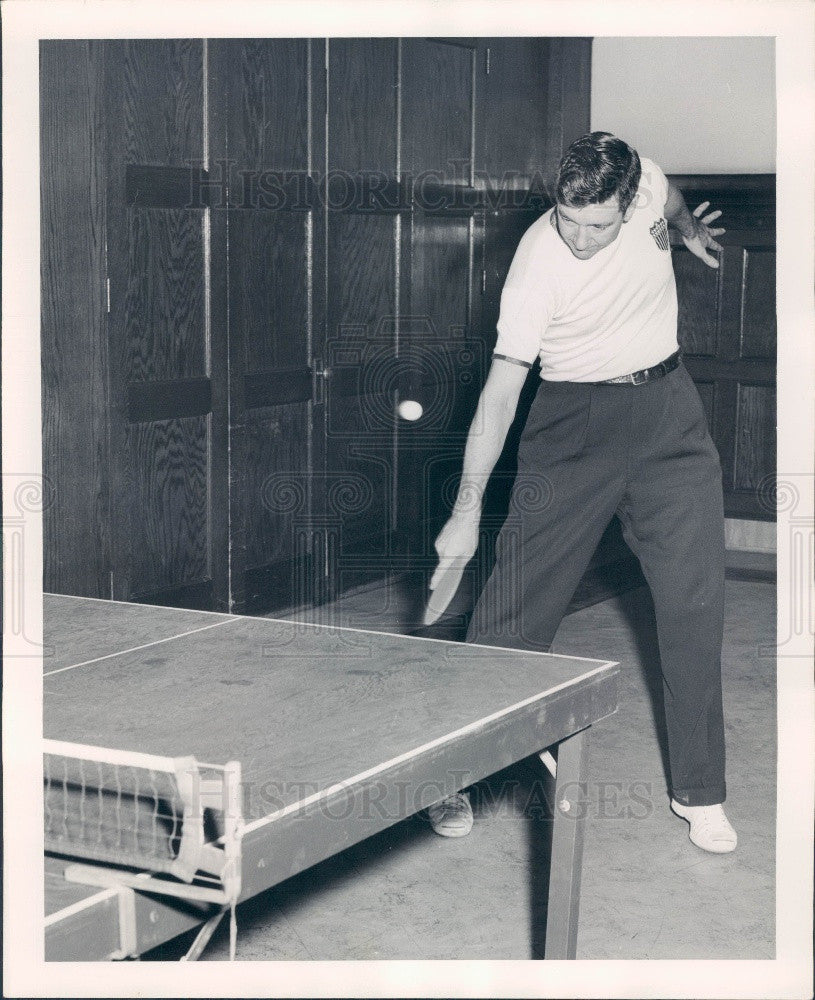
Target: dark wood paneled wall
727 331
163 452
224 353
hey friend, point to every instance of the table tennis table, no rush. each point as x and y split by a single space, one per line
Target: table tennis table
338 734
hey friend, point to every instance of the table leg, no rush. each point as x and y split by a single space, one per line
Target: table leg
567 847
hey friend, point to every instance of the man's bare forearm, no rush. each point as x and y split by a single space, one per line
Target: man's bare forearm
485 441
458 539
678 214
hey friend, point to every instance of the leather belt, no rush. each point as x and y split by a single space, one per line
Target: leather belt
646 374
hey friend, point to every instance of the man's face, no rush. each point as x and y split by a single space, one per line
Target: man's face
590 228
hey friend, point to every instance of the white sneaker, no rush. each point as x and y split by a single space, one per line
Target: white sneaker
709 827
452 817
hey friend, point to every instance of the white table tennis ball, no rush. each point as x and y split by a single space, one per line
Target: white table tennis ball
409 409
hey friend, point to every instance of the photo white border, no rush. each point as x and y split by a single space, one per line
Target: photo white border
27 21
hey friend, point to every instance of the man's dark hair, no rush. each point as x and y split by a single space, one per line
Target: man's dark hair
595 167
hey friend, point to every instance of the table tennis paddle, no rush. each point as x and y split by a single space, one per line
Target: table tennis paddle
443 592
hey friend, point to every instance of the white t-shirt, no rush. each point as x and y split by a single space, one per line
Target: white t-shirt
594 319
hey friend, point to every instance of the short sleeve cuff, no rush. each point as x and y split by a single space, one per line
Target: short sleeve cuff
656 182
512 361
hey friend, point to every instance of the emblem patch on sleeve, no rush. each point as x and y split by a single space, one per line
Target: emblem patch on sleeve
659 231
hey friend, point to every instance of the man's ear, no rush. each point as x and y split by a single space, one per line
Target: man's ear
629 211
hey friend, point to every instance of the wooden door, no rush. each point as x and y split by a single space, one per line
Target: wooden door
365 294
267 99
167 392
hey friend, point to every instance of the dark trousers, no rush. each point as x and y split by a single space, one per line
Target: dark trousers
644 453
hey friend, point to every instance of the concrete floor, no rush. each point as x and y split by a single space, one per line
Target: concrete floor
647 893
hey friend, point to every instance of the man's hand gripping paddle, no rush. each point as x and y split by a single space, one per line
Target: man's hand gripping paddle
443 585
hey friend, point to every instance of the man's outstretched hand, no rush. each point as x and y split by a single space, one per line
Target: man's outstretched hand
703 240
455 545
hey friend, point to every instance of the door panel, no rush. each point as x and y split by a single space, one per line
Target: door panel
441 285
278 507
271 101
270 299
698 315
360 355
162 99
439 107
168 473
758 323
363 105
165 311
361 273
518 90
755 436
269 106
161 431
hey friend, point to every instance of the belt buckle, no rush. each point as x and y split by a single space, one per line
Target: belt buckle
641 377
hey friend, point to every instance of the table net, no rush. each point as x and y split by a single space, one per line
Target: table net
135 810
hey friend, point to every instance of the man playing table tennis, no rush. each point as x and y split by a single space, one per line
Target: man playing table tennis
617 427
